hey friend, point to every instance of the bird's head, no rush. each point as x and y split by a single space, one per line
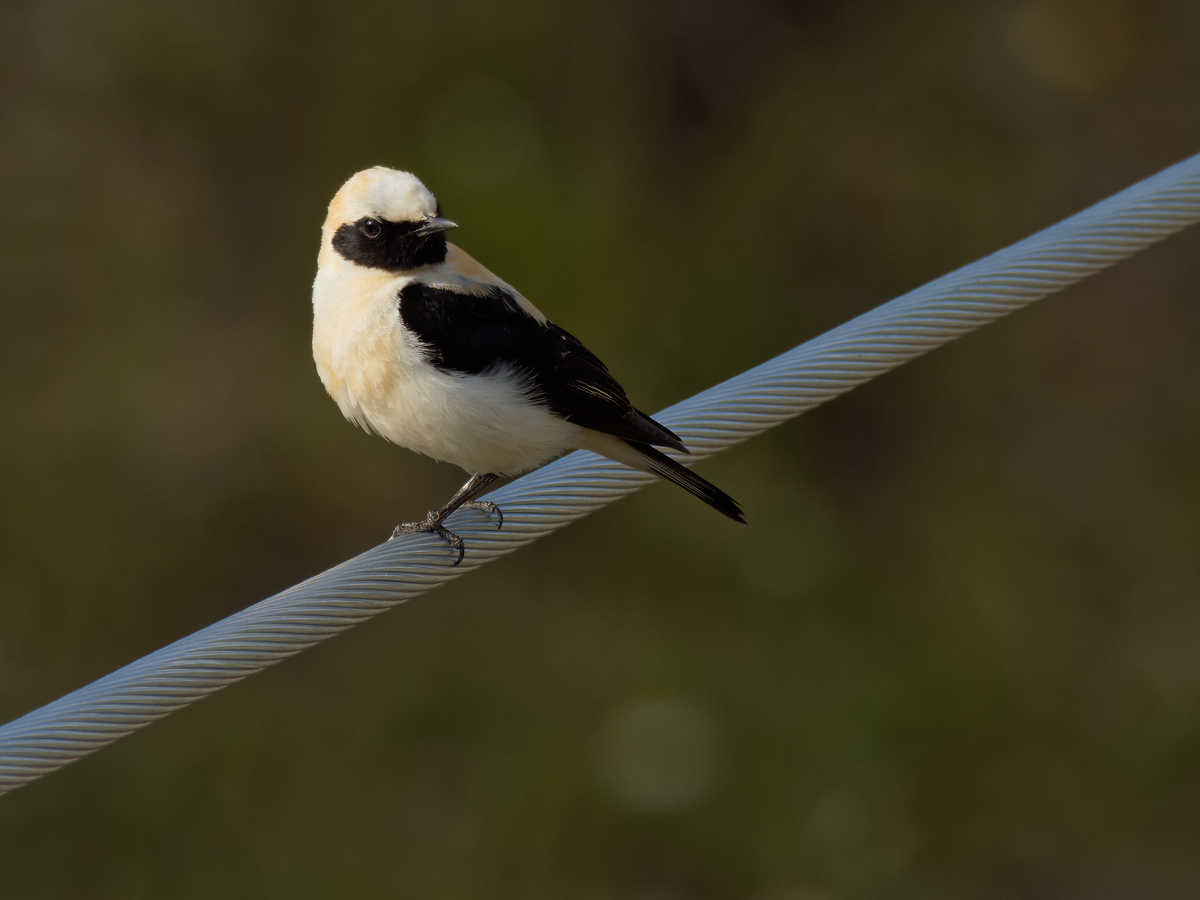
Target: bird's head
386 219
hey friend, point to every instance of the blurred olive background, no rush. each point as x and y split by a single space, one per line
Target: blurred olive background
955 652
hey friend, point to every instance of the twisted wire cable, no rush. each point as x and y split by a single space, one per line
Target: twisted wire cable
549 498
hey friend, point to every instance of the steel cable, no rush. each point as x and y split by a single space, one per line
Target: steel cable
549 498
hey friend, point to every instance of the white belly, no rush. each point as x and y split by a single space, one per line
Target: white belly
479 422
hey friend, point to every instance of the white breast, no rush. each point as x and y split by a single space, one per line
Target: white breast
377 373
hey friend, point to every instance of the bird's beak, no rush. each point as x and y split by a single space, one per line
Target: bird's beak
434 224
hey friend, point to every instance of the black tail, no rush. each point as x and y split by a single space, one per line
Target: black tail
665 467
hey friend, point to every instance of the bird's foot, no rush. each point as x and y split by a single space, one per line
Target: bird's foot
433 523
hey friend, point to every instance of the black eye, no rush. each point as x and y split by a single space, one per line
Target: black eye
370 228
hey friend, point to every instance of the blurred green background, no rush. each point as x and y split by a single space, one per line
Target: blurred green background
953 655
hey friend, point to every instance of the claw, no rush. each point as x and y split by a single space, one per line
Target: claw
487 506
432 524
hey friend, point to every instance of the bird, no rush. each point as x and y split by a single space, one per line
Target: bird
420 344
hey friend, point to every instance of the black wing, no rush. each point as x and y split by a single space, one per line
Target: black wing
467 333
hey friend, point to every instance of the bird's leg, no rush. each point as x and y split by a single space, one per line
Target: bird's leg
433 521
474 486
